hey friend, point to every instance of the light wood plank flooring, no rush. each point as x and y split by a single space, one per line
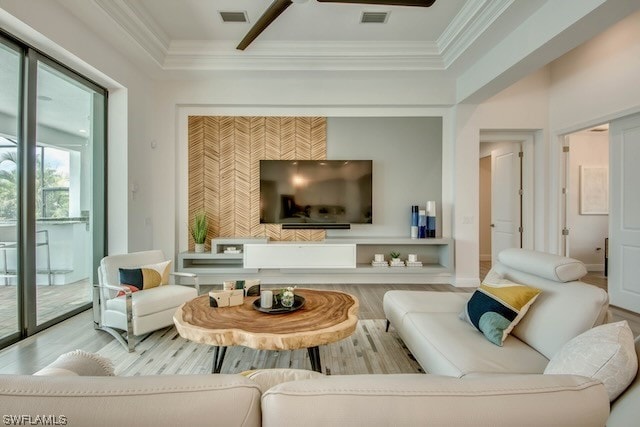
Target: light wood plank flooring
35 352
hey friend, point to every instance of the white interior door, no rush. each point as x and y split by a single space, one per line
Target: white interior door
624 213
505 199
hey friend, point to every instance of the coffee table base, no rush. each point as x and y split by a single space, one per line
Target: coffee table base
220 351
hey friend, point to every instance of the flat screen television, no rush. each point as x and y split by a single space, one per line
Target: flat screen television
315 192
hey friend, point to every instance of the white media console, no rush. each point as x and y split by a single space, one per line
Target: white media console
334 260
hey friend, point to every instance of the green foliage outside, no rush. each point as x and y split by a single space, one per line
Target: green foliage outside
57 202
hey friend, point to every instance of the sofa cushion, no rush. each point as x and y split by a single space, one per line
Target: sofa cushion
497 306
142 400
549 266
154 300
445 345
417 400
605 353
397 304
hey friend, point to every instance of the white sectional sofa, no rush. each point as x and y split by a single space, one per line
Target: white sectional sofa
429 325
471 381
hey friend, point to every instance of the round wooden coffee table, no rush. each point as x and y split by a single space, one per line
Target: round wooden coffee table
326 317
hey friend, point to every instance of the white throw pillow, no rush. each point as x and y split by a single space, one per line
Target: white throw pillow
605 353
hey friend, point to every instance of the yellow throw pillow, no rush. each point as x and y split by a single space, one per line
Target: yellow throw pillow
495 308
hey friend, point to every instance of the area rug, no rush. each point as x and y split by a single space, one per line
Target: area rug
370 350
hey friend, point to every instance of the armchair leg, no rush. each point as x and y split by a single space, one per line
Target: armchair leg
127 342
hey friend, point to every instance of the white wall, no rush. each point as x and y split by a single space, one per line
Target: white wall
146 114
593 84
407 166
523 107
54 30
587 232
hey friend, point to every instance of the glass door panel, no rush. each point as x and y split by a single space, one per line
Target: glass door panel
10 71
65 145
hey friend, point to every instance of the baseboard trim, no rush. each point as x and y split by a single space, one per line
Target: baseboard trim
594 267
466 282
485 257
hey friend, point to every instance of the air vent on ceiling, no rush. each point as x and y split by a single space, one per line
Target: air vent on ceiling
374 17
233 16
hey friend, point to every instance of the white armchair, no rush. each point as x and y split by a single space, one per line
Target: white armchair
126 314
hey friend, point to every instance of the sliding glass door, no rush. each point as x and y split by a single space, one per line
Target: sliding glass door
52 154
10 72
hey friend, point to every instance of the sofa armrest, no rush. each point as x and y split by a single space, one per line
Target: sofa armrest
194 276
78 363
414 399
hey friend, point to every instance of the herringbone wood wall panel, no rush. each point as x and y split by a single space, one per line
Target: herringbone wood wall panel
224 169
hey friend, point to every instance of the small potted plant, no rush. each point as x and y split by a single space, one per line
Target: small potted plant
199 231
287 296
395 256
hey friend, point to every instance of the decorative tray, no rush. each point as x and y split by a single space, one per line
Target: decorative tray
298 302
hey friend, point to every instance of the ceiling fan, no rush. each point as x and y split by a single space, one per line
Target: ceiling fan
279 6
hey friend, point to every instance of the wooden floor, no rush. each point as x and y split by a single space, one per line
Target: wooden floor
33 353
52 301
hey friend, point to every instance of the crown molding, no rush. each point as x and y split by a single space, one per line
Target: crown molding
200 55
139 26
470 23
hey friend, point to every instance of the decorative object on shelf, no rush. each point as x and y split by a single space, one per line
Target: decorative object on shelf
395 259
232 250
378 258
379 264
431 219
298 302
199 231
412 257
422 224
414 221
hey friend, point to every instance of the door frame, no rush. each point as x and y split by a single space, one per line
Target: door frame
557 169
526 139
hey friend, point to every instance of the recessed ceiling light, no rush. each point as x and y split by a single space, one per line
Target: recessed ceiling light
240 16
82 130
44 98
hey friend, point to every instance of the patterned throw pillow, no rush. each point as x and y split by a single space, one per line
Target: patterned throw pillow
497 306
606 353
146 276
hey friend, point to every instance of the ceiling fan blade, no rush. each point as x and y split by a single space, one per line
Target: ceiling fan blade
270 15
417 3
